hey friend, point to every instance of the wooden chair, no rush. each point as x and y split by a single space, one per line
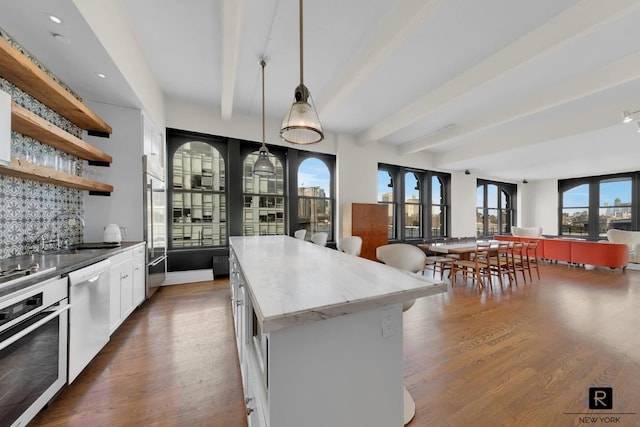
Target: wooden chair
532 257
437 263
478 267
518 260
500 263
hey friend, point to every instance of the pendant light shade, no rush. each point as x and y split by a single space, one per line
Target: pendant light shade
263 165
301 124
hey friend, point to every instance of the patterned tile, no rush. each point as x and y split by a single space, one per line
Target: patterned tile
27 208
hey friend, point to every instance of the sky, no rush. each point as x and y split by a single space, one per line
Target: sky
314 173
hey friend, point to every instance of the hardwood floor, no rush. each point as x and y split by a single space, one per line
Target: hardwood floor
522 356
173 362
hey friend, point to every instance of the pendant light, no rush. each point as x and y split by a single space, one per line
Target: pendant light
263 165
301 124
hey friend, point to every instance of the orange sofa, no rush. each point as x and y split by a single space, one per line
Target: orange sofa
613 255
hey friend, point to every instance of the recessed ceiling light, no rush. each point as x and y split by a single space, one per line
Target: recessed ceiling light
102 76
54 18
61 38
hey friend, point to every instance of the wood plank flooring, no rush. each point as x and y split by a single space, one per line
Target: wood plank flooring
173 362
522 356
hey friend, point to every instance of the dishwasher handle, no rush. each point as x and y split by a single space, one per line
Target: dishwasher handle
89 273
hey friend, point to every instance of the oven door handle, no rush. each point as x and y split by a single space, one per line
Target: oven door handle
31 328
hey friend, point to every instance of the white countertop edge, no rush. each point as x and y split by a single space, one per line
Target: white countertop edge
283 321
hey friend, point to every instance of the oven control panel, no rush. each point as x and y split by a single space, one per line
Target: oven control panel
20 308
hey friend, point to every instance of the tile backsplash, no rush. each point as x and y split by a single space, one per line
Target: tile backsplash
29 208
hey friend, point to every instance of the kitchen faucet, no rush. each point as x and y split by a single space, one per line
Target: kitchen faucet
44 244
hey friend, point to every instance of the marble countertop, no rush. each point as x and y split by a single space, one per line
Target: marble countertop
57 263
292 282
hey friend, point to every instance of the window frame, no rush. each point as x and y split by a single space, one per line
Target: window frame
295 158
245 151
593 183
174 143
424 177
509 211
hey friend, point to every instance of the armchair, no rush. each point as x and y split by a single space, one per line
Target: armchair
526 231
629 238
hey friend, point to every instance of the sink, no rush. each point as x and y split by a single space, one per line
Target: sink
97 245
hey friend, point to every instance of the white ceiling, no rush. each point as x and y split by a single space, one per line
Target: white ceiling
510 90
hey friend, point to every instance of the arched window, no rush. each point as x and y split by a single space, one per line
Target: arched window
412 206
591 206
386 197
198 203
315 205
438 207
264 200
494 207
575 211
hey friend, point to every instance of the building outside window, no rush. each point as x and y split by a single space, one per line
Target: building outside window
416 198
264 201
438 207
386 197
315 205
198 199
494 208
412 206
575 211
590 206
615 210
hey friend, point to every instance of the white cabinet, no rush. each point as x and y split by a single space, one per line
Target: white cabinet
138 275
127 284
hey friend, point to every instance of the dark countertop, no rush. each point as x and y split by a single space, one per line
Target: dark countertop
57 263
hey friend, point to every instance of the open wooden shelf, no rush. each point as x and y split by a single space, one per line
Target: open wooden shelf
23 169
28 123
18 69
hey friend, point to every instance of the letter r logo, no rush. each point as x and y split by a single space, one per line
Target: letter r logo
600 398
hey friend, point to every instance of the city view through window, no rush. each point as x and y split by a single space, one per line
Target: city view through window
314 197
614 207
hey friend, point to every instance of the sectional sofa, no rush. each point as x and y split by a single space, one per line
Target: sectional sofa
604 254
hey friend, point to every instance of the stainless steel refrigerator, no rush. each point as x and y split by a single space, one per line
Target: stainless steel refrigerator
155 223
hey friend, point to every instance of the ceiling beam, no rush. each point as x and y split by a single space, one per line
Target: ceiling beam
390 35
577 87
578 21
552 130
232 14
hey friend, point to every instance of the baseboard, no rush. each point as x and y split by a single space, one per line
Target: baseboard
190 276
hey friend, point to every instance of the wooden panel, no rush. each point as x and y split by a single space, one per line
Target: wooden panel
19 70
369 221
22 169
28 123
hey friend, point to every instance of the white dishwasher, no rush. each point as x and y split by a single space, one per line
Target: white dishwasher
89 314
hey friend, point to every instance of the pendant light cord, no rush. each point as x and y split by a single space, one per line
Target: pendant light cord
263 64
301 49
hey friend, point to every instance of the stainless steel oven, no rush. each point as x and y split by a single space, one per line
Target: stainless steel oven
33 349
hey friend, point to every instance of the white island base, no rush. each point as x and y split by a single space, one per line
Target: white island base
338 372
319 334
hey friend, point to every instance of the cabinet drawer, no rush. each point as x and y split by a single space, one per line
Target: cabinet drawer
122 257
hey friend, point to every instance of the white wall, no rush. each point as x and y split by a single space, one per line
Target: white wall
539 205
357 168
124 206
110 23
463 204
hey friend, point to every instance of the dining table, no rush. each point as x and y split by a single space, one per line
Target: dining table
463 250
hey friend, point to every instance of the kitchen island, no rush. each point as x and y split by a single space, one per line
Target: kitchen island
319 333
